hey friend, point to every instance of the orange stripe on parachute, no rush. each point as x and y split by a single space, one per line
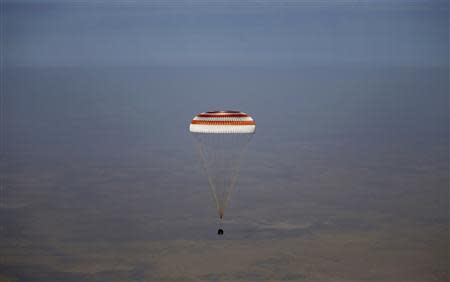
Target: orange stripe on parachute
222 115
217 122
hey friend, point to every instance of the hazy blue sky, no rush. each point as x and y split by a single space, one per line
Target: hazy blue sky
249 33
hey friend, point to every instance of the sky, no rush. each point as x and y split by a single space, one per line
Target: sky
226 33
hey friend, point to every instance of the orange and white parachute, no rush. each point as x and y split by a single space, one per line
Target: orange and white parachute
222 138
223 122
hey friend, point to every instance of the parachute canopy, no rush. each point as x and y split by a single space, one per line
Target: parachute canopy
222 137
222 122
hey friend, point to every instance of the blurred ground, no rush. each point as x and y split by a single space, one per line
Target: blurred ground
338 185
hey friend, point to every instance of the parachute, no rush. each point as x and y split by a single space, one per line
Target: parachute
222 137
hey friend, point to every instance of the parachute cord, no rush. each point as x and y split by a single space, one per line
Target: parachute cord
220 156
211 183
236 173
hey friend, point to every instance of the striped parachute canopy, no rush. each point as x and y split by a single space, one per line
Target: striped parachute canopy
223 122
222 137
